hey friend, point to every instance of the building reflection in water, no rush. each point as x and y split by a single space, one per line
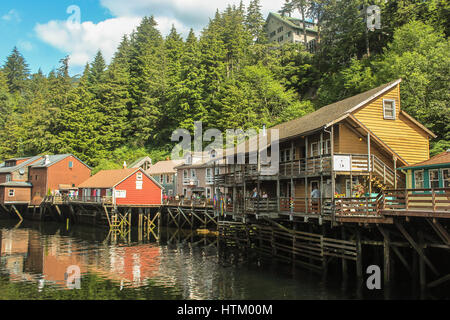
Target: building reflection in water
28 255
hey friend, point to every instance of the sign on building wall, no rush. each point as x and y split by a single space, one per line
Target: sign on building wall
342 163
121 194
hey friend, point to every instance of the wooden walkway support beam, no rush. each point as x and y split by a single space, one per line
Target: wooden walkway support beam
418 249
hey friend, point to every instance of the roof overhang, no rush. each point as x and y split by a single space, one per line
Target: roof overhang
375 138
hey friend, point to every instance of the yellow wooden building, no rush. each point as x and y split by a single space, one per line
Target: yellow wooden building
350 148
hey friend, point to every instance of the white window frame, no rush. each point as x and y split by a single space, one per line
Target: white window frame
393 117
11 194
326 147
70 164
429 178
444 179
139 176
193 174
8 178
423 179
312 150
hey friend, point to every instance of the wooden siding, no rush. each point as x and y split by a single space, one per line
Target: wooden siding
349 143
21 194
149 194
401 134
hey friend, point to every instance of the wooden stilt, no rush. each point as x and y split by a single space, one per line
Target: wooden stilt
359 266
344 261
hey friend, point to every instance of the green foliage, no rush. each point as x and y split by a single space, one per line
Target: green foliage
227 77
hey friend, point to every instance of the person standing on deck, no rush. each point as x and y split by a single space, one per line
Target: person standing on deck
315 195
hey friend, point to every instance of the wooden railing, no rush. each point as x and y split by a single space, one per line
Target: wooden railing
428 200
64 199
190 202
359 164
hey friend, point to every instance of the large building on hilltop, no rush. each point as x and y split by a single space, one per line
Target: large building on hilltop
283 29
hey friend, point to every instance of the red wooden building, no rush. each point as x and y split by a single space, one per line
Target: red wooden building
56 174
122 187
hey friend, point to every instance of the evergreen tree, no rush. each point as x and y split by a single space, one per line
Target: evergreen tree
16 71
255 23
147 82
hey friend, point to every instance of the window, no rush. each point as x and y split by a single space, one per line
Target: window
193 174
184 192
446 178
389 109
161 178
213 154
8 178
70 164
280 39
185 174
314 149
272 34
280 29
285 155
209 178
326 147
170 192
434 178
208 193
139 176
289 34
36 177
11 193
418 179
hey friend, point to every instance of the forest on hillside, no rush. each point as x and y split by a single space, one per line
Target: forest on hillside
228 76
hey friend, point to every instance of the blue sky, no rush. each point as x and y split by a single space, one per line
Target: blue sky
45 32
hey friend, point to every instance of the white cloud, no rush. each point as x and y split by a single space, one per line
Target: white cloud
12 15
191 13
82 41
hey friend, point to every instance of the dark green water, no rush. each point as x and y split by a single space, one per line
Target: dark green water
35 258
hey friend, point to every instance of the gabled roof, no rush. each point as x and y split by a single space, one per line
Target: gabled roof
53 159
289 21
330 114
440 159
4 169
165 167
108 179
139 162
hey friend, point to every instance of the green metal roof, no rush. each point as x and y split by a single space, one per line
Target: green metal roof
289 21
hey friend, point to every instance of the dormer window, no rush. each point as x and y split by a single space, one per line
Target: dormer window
389 109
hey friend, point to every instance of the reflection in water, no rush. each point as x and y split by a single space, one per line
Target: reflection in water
34 260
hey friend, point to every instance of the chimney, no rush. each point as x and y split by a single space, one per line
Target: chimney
46 160
124 164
